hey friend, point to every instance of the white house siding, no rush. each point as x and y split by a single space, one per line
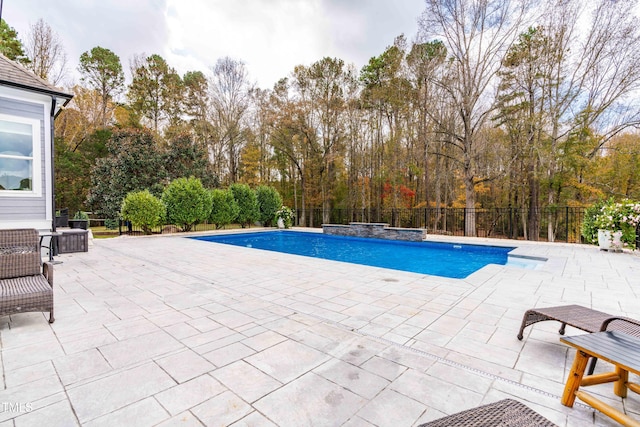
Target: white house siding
31 211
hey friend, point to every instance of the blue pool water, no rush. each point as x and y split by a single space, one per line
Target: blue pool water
439 259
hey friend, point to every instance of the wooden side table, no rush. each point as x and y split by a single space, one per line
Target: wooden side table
621 350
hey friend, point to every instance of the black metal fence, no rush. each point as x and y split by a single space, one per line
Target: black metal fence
556 224
126 228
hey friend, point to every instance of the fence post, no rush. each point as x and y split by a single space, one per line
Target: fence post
464 222
566 218
513 229
425 218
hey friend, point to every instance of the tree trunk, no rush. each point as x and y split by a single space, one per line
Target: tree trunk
303 201
533 216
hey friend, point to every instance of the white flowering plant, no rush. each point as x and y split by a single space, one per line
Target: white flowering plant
613 216
286 214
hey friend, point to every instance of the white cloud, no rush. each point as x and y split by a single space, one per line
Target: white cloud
270 36
126 27
270 40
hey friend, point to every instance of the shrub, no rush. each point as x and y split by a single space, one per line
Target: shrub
224 208
187 202
143 210
247 203
112 224
590 222
81 215
269 201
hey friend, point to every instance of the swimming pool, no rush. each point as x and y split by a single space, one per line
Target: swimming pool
440 259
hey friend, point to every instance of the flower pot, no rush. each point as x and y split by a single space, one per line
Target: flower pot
62 218
610 240
280 223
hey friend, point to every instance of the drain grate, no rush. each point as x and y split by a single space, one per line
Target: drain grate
445 361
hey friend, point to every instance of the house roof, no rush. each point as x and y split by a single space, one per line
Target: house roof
15 75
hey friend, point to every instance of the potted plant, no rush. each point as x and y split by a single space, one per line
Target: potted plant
62 217
609 227
611 224
284 217
80 220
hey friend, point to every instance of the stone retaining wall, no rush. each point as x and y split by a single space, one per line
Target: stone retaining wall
377 230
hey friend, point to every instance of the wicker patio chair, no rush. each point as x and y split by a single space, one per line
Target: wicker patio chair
504 413
580 317
26 283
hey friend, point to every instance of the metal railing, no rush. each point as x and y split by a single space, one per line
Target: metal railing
564 223
555 224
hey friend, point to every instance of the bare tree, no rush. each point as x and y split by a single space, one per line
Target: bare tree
230 99
328 81
611 74
596 98
46 53
425 61
476 34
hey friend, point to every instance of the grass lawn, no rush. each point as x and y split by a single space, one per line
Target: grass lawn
101 232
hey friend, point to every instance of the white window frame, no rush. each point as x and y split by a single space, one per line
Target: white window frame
36 158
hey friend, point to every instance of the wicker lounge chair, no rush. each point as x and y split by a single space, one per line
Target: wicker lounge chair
504 413
580 317
26 284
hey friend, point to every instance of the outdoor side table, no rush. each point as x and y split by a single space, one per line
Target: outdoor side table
74 240
53 242
621 350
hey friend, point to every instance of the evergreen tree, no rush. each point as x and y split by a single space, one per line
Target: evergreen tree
102 71
10 45
134 163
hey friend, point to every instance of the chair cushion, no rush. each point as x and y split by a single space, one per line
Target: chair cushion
26 293
19 253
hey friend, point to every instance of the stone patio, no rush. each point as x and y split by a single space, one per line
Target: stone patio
172 331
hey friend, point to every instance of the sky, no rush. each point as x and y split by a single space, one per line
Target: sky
270 36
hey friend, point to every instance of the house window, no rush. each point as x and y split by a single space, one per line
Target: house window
20 167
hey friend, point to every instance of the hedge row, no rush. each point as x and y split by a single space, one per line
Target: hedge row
185 202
